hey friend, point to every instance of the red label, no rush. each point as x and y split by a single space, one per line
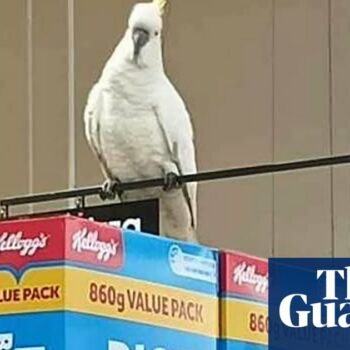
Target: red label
26 242
95 244
244 275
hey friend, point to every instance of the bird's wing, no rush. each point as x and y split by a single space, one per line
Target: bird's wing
92 114
175 123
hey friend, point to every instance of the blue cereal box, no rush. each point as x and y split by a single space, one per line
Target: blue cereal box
68 283
244 302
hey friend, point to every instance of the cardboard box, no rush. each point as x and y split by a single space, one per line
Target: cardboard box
243 302
68 283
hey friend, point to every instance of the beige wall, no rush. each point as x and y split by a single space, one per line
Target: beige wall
265 80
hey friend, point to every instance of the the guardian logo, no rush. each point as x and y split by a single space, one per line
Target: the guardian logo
324 313
309 304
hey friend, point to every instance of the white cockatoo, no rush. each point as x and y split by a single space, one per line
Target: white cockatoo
138 126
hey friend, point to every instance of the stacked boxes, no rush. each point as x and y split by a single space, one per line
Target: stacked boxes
243 302
68 283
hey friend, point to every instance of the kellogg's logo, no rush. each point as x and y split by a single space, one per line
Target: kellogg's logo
15 242
25 243
88 241
95 245
247 274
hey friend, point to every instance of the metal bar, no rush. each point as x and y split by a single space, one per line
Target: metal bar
51 196
199 177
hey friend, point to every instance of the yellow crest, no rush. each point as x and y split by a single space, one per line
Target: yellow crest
161 4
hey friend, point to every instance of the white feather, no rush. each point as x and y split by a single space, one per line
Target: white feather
138 126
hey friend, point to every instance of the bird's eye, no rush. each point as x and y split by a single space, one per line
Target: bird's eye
156 33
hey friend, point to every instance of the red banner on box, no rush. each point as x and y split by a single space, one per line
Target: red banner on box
244 276
24 243
95 244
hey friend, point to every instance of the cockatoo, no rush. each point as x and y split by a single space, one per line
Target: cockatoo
138 126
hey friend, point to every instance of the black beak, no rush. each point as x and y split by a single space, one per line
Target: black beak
140 38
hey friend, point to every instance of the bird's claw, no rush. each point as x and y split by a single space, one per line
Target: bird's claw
109 190
171 182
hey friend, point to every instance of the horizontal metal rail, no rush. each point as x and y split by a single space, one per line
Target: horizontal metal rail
82 193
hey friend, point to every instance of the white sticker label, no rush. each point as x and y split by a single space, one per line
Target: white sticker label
192 266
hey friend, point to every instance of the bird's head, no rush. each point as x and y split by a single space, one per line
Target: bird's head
144 32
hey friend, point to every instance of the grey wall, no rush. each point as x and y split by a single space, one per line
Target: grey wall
265 80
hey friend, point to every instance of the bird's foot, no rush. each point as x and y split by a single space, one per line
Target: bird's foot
171 182
110 190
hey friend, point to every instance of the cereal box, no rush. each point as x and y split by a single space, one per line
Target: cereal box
243 302
70 283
